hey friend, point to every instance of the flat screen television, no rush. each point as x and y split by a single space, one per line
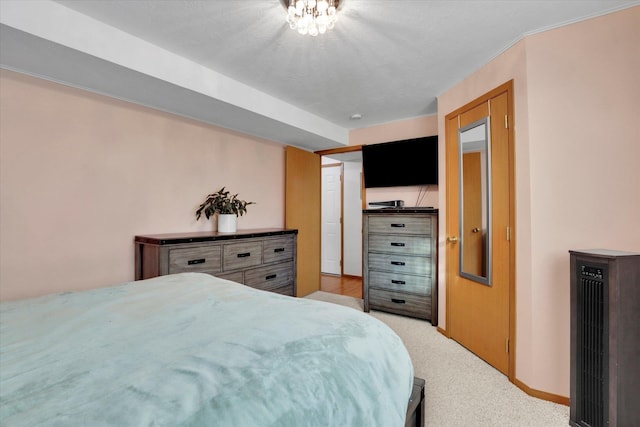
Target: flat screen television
401 163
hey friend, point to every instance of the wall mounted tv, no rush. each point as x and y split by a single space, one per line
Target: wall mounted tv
401 163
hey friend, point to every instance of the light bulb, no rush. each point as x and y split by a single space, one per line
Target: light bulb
313 30
308 18
301 27
299 6
322 5
311 4
322 19
322 29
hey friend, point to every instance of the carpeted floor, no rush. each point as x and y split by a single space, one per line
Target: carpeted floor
461 389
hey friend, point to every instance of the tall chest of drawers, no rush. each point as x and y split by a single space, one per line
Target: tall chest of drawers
261 258
400 261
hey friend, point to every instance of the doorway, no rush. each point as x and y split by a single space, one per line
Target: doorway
331 218
481 289
350 209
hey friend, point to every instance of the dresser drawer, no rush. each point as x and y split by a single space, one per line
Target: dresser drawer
400 282
399 225
400 244
241 255
201 259
279 249
400 303
284 290
400 264
270 277
236 276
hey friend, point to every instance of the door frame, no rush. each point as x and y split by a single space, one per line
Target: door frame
510 124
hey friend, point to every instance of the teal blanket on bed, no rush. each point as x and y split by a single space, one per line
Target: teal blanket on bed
195 350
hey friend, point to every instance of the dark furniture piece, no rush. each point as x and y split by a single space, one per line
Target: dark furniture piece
415 411
261 258
605 338
400 261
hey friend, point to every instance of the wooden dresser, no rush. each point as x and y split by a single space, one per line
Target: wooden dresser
261 258
400 261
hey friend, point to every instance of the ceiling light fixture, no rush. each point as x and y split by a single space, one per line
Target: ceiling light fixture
312 17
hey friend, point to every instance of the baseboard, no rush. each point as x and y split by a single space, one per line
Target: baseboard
555 398
349 276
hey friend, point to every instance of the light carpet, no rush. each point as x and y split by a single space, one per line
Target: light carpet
461 389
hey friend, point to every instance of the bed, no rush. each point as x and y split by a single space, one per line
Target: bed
193 349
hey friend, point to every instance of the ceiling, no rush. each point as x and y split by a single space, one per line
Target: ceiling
238 65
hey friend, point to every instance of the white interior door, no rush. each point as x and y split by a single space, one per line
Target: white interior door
331 219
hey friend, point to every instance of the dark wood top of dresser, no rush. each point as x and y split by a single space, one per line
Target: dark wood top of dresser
417 210
210 236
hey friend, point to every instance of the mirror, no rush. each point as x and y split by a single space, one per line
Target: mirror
475 201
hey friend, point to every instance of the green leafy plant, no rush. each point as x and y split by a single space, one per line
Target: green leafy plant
222 202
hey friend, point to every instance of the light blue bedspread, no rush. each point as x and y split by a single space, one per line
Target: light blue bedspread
191 349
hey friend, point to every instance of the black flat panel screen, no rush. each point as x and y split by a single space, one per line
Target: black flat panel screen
401 163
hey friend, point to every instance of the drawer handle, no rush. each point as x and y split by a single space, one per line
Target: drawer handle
398 301
244 255
397 244
398 282
276 250
196 261
397 225
271 276
397 263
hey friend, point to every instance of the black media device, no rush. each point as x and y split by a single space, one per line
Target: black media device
389 204
401 163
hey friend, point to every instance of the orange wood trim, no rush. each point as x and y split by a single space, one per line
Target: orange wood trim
331 165
550 397
555 398
508 86
349 149
505 87
341 219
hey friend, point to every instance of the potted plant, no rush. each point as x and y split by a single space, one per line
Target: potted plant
227 206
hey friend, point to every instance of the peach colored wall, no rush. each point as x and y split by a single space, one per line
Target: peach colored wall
81 174
397 131
584 105
576 107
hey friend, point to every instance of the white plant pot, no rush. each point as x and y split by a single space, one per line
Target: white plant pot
227 223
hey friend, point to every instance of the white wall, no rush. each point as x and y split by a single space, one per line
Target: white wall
352 257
